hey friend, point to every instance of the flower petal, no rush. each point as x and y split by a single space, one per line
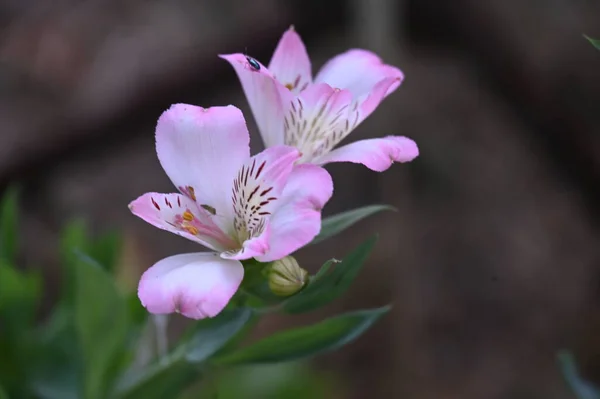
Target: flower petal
358 71
290 64
197 285
201 150
256 191
265 95
375 154
179 214
369 102
297 219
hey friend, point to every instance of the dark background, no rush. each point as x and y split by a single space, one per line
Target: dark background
492 260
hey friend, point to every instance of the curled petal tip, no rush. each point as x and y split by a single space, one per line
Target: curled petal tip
292 28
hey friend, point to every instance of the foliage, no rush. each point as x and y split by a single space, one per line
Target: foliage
594 42
90 343
581 388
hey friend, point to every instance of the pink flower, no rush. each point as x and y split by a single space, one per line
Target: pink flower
242 207
316 115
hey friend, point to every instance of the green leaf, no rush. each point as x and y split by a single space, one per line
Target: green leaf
292 380
329 285
303 342
8 225
74 240
19 296
337 223
581 388
162 380
170 377
210 335
3 394
101 324
595 42
57 372
106 250
20 293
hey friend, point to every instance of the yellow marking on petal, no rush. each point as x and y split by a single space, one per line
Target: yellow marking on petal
187 215
289 86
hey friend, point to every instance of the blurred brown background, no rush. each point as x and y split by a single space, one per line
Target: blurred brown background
492 260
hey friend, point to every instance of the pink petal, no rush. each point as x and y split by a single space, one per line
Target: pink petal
265 95
203 148
318 119
256 192
197 285
290 64
179 214
375 154
297 219
369 102
358 71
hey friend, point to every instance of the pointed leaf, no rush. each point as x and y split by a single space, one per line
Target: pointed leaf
581 388
8 225
595 42
327 286
303 342
337 223
101 325
74 240
106 250
170 377
210 335
162 380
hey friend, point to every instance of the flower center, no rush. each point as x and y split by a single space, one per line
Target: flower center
315 131
252 204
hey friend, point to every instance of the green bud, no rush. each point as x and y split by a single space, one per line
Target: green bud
286 277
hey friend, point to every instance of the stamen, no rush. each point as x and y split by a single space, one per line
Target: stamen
191 229
191 192
188 216
209 209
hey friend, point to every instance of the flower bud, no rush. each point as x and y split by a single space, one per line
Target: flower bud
286 277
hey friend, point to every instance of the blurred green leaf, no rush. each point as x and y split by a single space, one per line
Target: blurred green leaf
595 42
337 223
328 285
8 225
581 388
165 379
209 335
292 380
106 249
3 394
308 341
19 297
73 241
138 315
171 376
56 372
101 324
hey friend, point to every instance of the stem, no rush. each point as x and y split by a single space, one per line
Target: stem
161 322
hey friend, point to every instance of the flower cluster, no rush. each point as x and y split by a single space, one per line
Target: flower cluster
262 207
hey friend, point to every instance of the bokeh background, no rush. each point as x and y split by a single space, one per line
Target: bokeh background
492 260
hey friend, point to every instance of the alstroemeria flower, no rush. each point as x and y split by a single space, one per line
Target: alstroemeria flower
239 206
315 115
